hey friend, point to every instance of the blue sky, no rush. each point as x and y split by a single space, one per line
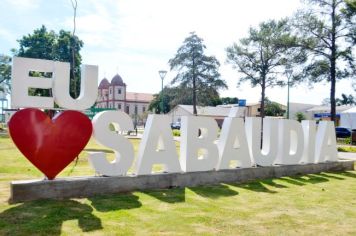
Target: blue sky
136 38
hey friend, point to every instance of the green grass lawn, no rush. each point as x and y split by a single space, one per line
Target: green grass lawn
317 204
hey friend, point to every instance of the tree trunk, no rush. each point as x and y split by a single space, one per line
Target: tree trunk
332 92
333 65
194 97
262 107
263 95
194 88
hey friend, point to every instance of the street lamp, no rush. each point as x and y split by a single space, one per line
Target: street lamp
162 74
289 73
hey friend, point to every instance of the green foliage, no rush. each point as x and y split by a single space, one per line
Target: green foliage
346 148
49 45
163 99
173 96
198 77
345 100
350 13
265 54
326 31
170 97
176 132
5 73
227 100
300 116
273 109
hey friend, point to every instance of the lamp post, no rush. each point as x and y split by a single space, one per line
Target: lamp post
289 73
162 74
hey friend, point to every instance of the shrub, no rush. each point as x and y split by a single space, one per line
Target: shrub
176 132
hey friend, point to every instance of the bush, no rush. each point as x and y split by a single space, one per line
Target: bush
344 141
176 132
300 116
346 149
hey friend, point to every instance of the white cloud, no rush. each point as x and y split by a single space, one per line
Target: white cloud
7 35
23 5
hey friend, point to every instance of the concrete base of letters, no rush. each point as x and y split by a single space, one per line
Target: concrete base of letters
75 187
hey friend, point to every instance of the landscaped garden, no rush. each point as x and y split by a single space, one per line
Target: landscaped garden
314 204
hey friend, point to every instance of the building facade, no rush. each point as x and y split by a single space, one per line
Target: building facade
114 95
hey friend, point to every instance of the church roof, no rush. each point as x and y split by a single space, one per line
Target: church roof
139 97
117 81
104 84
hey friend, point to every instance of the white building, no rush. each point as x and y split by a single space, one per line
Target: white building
114 95
218 113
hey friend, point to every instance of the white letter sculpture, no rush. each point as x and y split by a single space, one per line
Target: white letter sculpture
325 148
59 83
88 88
233 144
124 153
157 147
22 82
267 155
192 144
290 143
309 129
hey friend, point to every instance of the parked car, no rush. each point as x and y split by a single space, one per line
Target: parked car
342 132
175 125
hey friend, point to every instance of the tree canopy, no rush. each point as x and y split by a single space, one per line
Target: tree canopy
5 73
327 32
44 44
173 96
198 77
344 100
273 109
263 56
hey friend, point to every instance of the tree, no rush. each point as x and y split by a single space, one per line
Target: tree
264 55
300 116
157 104
5 73
326 32
228 100
345 100
198 74
49 45
273 108
350 13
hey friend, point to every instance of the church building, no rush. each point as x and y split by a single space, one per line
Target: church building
115 96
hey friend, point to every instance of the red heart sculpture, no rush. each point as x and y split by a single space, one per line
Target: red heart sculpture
50 145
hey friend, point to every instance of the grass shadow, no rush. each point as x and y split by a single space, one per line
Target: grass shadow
328 175
173 195
346 173
310 179
291 180
214 191
255 186
45 217
115 202
270 182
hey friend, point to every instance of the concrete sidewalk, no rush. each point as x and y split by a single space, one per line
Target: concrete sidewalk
347 155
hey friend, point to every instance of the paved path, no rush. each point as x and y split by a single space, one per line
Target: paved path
347 155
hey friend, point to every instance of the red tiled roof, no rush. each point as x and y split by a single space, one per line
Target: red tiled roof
143 97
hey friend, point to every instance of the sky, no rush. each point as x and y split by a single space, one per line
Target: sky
136 38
